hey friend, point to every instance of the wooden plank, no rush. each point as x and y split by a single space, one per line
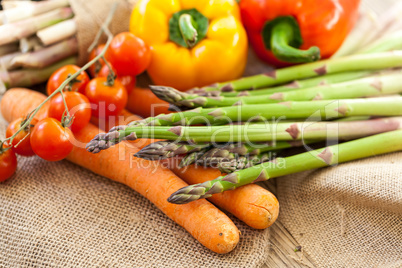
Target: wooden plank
282 253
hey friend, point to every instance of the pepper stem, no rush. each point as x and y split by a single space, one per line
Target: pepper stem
188 29
283 37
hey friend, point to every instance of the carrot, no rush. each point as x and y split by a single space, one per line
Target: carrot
252 204
21 105
123 118
143 102
201 219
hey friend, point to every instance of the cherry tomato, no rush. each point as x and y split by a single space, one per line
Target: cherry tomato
21 143
107 100
78 106
60 75
8 163
95 68
128 54
50 140
128 81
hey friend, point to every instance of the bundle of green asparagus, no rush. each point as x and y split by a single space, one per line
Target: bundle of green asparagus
36 38
351 104
255 89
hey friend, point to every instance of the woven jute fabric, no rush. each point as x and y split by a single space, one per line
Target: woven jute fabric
60 215
91 14
347 216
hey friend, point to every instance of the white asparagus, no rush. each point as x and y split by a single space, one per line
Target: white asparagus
9 4
15 31
29 77
373 30
3 80
57 32
46 56
31 43
8 48
386 23
6 60
29 9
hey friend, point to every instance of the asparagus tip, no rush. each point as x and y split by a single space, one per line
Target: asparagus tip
168 94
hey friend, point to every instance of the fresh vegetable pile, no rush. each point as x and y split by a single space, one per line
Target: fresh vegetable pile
243 146
223 136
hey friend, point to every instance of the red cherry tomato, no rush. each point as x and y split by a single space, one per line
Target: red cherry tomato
128 54
8 163
128 81
95 68
60 75
78 106
50 140
107 100
21 143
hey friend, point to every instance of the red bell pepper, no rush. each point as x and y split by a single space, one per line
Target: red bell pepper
295 31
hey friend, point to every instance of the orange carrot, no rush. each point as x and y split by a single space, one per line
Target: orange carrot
252 204
201 219
143 102
21 105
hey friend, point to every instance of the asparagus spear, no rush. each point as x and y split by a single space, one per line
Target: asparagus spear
228 165
289 110
250 148
225 154
191 158
31 43
8 48
365 87
297 84
14 31
29 9
374 61
329 156
165 149
206 160
29 77
243 149
325 80
47 56
6 60
57 32
249 133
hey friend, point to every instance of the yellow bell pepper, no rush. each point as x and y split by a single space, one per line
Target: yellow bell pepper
193 42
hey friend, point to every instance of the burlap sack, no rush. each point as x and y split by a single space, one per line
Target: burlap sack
90 15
